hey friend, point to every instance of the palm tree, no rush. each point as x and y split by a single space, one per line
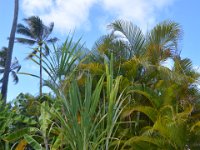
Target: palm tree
36 33
9 53
161 42
137 56
14 67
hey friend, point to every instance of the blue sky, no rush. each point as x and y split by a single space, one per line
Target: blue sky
89 18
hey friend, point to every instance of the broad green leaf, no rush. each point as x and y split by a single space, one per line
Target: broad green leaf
15 135
33 142
44 118
25 119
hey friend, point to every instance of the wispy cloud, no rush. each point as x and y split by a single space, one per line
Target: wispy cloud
70 14
67 14
141 12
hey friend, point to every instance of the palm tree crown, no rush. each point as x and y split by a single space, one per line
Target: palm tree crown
36 33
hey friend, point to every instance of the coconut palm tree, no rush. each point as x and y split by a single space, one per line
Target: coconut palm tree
14 67
9 53
36 33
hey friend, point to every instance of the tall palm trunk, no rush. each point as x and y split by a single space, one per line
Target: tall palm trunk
9 53
40 70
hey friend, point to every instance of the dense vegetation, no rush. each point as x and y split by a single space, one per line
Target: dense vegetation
118 95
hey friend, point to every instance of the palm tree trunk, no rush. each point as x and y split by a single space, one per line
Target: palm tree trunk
40 71
9 53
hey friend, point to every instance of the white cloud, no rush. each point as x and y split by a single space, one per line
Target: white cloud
71 14
32 7
141 12
67 14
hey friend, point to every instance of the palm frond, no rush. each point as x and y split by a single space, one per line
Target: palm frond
29 74
132 34
21 29
147 110
15 77
51 26
46 49
3 55
149 93
166 35
47 30
52 40
15 65
144 142
33 53
182 65
3 52
25 41
36 26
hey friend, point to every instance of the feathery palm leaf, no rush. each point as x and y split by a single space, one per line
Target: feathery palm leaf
132 36
162 41
14 68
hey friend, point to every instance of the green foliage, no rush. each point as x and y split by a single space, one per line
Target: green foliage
118 96
88 121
